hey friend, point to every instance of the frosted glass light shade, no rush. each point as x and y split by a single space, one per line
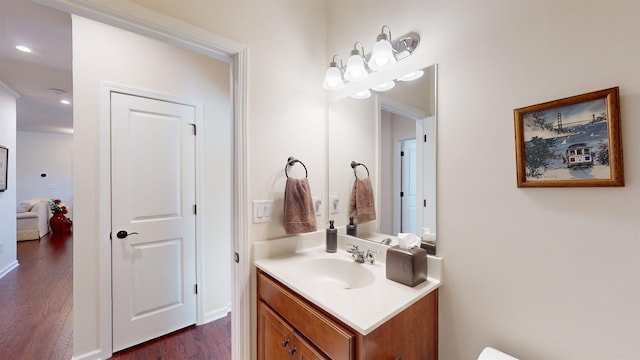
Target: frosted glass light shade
382 56
385 86
361 94
411 76
333 79
355 68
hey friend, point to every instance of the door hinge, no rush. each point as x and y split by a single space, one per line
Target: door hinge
194 129
424 203
195 209
401 193
425 137
237 258
195 289
401 153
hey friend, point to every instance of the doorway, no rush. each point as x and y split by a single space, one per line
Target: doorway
214 149
153 200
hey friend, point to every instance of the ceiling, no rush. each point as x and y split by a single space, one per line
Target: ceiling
48 33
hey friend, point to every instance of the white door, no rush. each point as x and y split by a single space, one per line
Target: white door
408 183
153 221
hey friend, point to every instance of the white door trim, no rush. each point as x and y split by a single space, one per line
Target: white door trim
137 19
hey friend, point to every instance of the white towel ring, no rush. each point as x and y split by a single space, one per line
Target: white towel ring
290 162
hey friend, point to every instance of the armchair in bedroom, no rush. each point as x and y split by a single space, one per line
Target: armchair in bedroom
33 219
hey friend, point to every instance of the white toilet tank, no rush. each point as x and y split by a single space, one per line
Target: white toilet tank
492 354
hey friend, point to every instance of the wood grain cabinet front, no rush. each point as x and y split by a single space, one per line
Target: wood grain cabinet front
290 327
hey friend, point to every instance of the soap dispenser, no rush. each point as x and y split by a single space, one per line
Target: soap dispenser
332 238
352 228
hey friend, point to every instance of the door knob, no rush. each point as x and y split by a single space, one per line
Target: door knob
123 234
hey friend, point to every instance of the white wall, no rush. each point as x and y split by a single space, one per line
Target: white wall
8 255
123 58
287 114
516 276
51 154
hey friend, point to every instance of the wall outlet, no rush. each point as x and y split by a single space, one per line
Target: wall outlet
262 211
334 204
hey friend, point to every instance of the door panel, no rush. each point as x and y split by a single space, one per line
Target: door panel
409 200
153 194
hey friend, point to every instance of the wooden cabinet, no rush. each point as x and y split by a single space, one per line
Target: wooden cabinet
290 327
278 340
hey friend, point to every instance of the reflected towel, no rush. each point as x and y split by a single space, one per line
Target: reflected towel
362 206
299 214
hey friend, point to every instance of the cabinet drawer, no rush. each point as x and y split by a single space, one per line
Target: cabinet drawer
333 339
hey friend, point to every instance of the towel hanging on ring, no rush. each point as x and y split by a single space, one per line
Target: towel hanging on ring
362 205
299 213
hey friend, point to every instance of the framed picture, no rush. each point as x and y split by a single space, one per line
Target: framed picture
4 160
571 142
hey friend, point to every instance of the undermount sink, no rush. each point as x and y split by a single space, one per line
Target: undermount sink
336 273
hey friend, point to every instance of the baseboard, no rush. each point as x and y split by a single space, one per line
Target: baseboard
216 314
91 355
8 268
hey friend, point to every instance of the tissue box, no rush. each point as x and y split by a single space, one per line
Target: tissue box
406 266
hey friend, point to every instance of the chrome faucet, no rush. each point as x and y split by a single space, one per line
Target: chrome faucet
361 256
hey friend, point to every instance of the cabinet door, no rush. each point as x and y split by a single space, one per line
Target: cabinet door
274 335
302 350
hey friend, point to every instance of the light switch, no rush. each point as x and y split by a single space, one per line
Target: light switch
317 205
334 204
262 211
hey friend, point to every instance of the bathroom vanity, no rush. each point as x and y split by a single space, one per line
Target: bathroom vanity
316 305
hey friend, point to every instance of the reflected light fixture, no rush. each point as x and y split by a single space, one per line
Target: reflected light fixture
411 76
333 76
385 86
382 57
355 65
65 102
362 94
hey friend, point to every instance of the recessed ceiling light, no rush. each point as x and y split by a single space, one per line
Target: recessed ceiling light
23 48
66 102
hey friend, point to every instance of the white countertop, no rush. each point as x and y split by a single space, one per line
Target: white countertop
363 309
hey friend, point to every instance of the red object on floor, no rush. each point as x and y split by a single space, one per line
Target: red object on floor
59 223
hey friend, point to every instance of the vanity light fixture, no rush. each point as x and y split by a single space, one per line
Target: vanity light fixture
411 76
382 55
362 94
385 54
333 76
385 86
355 65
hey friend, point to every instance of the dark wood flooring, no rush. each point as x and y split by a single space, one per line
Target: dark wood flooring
36 317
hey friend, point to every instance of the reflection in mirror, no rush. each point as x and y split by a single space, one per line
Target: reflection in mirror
387 133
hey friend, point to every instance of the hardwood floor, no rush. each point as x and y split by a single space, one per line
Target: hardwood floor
36 313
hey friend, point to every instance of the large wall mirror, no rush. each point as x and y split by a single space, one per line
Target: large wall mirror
393 134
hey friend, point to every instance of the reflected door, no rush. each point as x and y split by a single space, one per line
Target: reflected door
408 188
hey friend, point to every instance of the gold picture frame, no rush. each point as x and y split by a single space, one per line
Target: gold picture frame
570 142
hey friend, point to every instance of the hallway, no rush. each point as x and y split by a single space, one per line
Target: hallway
36 313
37 300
